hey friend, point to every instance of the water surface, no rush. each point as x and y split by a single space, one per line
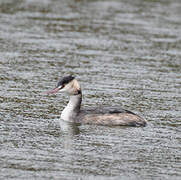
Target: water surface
124 53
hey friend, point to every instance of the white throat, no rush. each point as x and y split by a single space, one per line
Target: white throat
73 108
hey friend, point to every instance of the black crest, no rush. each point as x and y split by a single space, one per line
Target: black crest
65 80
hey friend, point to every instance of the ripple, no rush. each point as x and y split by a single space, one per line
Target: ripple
125 54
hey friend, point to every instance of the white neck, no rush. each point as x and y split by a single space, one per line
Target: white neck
72 109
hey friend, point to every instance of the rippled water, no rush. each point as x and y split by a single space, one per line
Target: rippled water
124 53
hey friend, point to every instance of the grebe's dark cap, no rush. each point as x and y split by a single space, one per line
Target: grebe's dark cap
65 80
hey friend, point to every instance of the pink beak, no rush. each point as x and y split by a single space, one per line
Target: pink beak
53 91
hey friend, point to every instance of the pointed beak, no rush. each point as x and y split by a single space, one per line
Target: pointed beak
53 91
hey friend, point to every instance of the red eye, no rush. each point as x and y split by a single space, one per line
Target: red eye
62 86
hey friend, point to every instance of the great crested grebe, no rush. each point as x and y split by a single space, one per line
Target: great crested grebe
72 112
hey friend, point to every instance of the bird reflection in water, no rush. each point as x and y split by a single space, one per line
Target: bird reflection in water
69 127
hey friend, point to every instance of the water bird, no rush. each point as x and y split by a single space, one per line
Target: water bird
109 116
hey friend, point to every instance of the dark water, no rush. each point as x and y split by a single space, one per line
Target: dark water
124 53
